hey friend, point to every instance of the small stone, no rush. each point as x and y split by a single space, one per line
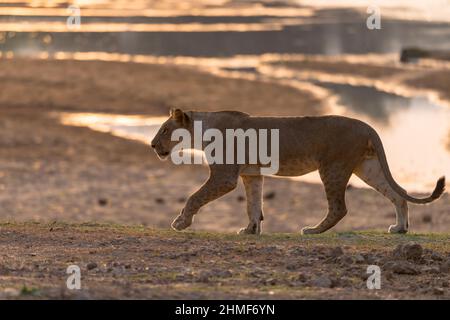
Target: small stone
322 282
410 251
413 251
432 270
336 252
436 256
160 200
291 266
269 195
404 267
445 267
271 282
438 291
204 277
345 259
91 265
302 277
102 202
359 258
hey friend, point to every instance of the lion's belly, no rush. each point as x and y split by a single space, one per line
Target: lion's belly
297 167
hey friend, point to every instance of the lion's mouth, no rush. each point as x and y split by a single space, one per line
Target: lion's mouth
163 155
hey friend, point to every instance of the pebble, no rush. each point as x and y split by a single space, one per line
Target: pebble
322 282
336 252
410 251
269 195
404 267
426 218
359 258
445 267
91 265
102 202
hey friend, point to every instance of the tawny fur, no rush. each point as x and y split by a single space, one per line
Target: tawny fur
335 146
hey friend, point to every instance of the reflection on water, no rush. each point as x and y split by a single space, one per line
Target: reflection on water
414 132
138 128
377 105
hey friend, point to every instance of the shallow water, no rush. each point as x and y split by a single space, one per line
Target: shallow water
217 31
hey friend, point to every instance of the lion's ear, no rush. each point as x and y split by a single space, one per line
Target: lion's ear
179 116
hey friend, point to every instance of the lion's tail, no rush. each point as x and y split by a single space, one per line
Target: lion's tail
378 146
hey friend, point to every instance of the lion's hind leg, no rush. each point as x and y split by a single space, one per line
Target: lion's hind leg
371 173
335 179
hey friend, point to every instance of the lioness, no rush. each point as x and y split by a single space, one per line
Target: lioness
336 146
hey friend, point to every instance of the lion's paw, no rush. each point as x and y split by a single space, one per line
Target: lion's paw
253 229
181 222
310 230
397 229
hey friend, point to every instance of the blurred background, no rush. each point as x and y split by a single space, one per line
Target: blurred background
85 84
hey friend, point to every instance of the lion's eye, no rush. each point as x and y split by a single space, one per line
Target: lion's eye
164 131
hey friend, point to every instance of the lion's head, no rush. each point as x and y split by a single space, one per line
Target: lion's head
162 142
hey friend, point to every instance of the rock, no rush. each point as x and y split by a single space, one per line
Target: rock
404 267
219 273
336 252
438 291
389 275
203 277
291 266
270 282
322 282
412 251
427 218
160 200
445 267
409 251
302 277
345 260
91 265
436 256
359 258
432 270
269 195
102 202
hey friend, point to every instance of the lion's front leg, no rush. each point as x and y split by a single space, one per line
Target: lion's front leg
253 191
222 180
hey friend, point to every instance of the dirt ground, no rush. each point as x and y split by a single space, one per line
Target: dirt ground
139 262
56 174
